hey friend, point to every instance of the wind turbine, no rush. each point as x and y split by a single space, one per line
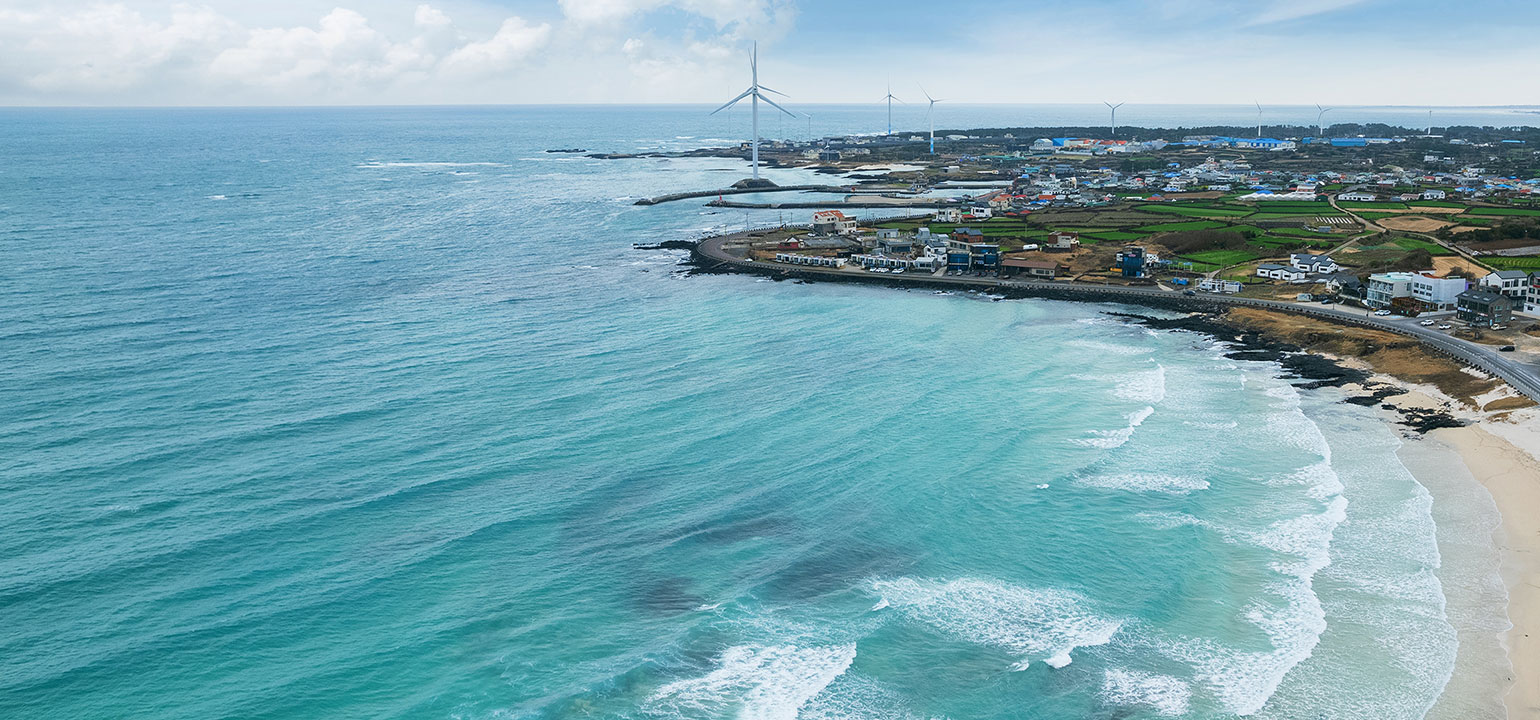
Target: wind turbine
930 115
1259 120
1430 122
890 98
756 92
1114 116
1319 128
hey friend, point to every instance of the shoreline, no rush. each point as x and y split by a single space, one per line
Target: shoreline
1437 401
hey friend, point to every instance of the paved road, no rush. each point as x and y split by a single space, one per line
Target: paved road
1523 376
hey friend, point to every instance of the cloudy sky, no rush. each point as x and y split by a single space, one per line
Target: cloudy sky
343 52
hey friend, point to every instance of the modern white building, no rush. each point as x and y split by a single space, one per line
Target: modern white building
1386 287
1356 197
1273 271
1513 283
1217 285
1437 293
1313 263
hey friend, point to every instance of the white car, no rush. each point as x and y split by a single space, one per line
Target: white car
1445 326
1426 323
1382 313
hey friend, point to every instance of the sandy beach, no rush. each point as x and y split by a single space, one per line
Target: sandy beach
1502 456
1501 451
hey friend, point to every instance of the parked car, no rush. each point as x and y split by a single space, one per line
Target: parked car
1188 292
1382 313
1445 326
1506 348
1426 323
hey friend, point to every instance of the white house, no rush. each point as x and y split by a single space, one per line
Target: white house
833 222
1437 293
1513 283
1216 285
1063 241
1313 263
1273 271
981 212
949 215
1356 197
1386 287
1434 195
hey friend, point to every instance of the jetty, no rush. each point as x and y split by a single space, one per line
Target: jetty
744 191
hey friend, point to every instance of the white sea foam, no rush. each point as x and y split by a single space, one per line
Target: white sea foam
1146 386
378 164
755 682
1166 695
1109 439
1146 482
1030 623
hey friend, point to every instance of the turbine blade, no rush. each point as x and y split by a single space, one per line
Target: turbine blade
777 92
733 101
771 103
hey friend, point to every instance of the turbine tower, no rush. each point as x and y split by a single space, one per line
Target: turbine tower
1320 129
1259 120
756 92
890 98
930 115
1114 116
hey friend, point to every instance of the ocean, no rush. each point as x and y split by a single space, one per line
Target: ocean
377 413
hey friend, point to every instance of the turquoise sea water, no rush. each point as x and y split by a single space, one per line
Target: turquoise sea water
376 413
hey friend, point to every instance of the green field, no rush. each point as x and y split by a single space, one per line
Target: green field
1373 205
1307 234
1196 211
1521 212
1435 203
1296 207
1274 241
1418 244
1513 263
1117 236
1179 226
1220 258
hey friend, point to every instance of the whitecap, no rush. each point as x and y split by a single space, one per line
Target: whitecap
757 682
1146 482
1030 623
1166 695
1109 439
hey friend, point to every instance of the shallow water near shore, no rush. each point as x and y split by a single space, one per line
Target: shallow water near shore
378 414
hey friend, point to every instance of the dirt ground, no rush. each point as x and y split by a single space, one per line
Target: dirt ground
1385 352
1444 263
1413 223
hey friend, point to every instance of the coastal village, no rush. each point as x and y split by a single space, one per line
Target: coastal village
1438 236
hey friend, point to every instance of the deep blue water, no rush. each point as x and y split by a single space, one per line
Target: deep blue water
376 413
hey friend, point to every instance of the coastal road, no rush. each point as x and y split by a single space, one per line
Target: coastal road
1523 376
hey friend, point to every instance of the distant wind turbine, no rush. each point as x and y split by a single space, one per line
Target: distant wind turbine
1114 116
890 98
1320 129
930 115
1430 122
756 92
1259 120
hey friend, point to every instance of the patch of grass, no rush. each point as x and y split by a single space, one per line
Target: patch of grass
1196 211
1521 212
1117 236
1302 233
1179 226
1436 203
1528 262
1373 205
1420 244
1221 258
1295 207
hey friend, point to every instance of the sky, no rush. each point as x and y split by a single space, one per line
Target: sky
404 52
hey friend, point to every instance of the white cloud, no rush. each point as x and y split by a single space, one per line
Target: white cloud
112 53
1284 10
